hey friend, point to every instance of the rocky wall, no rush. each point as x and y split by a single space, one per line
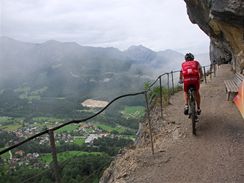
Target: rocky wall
223 22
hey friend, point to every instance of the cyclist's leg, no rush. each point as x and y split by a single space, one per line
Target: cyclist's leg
186 88
198 98
186 97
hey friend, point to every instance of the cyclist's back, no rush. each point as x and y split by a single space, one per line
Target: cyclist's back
191 73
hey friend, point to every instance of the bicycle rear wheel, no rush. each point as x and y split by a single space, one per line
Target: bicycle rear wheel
193 118
193 112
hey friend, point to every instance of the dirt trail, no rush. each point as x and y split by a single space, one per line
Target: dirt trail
216 154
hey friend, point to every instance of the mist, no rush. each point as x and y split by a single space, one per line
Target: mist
158 24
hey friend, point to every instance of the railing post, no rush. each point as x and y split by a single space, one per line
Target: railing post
211 68
168 87
172 78
149 123
54 155
204 74
161 96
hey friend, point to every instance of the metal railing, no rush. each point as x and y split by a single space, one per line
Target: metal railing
168 80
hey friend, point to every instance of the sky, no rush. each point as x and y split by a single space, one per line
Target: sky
156 24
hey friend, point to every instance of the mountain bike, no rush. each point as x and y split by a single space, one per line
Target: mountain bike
192 112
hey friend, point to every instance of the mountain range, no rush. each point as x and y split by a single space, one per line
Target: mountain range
66 69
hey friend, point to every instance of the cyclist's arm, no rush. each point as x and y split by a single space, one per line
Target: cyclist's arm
181 76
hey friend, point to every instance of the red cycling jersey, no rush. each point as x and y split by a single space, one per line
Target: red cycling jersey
190 72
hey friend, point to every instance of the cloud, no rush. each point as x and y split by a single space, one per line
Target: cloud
158 24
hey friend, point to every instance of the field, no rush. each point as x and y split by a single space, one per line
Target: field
6 119
79 140
133 112
108 128
11 127
68 128
10 124
47 119
89 110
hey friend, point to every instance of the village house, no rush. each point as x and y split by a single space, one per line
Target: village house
19 153
92 137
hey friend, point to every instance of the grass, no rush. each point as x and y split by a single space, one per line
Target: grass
11 127
108 128
133 112
68 128
96 180
6 119
48 122
47 119
5 155
91 110
166 93
47 158
131 137
79 140
10 123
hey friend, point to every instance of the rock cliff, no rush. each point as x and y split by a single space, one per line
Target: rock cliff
223 22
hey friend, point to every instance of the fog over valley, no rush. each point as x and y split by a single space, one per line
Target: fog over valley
34 71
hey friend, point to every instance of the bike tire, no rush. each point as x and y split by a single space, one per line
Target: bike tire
193 113
193 119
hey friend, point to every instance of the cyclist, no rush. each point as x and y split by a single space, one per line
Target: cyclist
191 74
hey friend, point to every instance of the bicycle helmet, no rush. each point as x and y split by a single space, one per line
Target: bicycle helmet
189 56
